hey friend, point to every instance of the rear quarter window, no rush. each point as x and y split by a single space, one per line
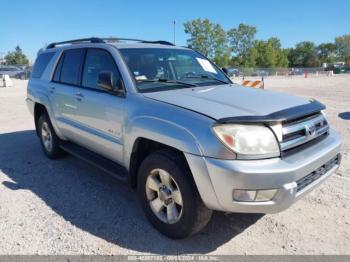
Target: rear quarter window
41 63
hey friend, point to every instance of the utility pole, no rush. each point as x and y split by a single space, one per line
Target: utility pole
174 22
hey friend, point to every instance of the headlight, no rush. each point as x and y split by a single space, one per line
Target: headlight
248 141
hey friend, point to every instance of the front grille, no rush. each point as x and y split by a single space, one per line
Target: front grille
302 131
318 173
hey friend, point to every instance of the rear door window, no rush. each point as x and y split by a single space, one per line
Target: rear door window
70 72
41 63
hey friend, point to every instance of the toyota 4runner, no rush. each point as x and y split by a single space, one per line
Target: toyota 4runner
171 123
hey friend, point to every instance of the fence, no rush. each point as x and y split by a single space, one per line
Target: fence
16 71
266 72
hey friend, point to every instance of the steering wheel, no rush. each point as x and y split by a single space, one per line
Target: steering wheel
188 75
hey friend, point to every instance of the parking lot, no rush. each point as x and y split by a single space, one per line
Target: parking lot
68 207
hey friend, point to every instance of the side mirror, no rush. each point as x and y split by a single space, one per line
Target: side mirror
230 72
106 82
225 70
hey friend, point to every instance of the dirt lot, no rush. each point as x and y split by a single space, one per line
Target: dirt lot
68 207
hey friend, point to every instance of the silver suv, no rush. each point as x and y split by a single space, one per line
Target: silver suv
172 124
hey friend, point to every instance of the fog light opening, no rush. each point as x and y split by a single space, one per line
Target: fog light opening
254 195
265 195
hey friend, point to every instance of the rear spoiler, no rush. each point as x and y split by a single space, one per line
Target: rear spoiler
280 116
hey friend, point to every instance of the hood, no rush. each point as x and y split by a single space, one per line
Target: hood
224 101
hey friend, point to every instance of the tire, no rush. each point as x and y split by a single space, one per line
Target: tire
193 215
48 138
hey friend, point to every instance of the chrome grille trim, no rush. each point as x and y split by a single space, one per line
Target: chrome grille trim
301 132
293 127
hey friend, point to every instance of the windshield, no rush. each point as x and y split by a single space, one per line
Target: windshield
160 69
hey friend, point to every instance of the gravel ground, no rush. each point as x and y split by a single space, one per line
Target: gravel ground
68 207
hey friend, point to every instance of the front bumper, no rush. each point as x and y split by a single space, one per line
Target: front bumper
216 178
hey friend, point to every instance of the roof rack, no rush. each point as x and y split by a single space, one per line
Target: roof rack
76 41
117 39
106 40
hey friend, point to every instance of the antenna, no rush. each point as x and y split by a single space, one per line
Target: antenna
174 22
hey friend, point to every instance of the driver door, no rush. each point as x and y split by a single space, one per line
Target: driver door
100 114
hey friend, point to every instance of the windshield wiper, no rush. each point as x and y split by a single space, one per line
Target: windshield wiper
164 80
206 77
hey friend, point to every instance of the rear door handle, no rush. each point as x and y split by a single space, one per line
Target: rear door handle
52 89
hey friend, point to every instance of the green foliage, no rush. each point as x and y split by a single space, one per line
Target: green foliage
327 52
207 38
16 58
241 41
342 44
269 53
304 55
223 60
238 47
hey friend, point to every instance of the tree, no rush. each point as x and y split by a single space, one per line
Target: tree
284 62
342 44
238 47
327 52
241 40
207 38
268 54
16 58
251 58
304 55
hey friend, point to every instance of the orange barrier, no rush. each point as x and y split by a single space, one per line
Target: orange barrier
254 84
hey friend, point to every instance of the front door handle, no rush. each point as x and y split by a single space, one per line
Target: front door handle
52 89
79 96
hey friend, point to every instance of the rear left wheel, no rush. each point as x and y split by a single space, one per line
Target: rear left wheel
48 138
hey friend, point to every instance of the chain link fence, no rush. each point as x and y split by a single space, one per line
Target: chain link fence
266 72
16 71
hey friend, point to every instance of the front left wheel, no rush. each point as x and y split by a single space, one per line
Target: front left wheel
169 196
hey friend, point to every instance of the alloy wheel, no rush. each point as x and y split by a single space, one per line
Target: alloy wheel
164 196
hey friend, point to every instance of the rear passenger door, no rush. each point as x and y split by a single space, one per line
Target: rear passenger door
100 113
65 91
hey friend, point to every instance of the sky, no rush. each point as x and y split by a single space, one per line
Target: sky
34 23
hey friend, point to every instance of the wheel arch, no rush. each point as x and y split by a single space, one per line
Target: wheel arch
40 106
143 147
39 109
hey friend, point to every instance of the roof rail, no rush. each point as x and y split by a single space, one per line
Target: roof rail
116 39
82 40
161 42
106 40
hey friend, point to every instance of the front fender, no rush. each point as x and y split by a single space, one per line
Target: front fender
176 136
162 131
